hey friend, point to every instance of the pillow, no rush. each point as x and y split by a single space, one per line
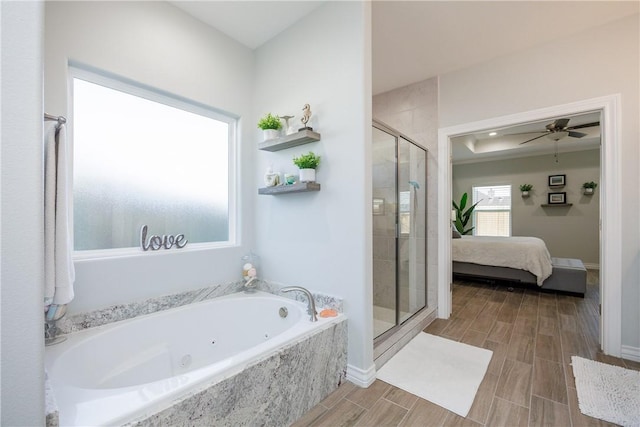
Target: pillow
455 233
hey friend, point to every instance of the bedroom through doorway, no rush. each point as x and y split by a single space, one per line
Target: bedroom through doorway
510 176
607 228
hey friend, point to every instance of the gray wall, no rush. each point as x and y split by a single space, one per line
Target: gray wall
322 240
22 375
568 232
601 61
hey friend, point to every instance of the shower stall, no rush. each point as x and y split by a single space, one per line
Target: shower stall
399 228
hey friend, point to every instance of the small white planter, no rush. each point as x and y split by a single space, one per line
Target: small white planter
588 191
525 194
307 175
268 134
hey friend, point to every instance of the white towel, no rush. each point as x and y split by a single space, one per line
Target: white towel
59 270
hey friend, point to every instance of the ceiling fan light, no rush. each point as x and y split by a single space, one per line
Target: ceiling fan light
557 136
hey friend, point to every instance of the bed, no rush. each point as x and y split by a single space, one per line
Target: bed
517 259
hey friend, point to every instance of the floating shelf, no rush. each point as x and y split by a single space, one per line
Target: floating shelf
288 141
557 205
301 187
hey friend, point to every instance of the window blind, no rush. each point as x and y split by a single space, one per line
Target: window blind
492 215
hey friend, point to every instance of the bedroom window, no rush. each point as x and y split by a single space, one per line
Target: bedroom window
142 157
492 216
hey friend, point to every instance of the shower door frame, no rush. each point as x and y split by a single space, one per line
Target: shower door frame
397 134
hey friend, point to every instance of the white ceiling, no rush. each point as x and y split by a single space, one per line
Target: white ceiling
504 144
252 23
416 40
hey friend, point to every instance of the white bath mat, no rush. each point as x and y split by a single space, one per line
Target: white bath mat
445 372
607 392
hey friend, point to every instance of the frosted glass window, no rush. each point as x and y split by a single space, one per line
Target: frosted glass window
138 161
492 215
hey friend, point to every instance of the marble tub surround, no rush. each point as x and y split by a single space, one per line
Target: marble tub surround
144 366
115 313
276 390
52 418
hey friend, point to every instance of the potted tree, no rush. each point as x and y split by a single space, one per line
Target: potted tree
307 163
270 125
463 216
589 187
525 188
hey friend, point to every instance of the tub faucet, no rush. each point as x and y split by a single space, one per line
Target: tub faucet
249 286
311 305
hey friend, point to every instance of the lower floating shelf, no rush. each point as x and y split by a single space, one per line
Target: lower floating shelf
301 187
557 205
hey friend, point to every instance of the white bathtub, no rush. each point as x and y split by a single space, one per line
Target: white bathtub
127 370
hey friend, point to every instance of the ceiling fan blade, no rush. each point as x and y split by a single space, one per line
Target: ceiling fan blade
533 139
560 124
586 125
576 134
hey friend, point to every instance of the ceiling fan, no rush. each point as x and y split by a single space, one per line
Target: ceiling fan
558 129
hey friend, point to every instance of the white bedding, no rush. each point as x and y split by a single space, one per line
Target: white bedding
524 253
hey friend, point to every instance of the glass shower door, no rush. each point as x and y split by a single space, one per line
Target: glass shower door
412 261
399 229
384 232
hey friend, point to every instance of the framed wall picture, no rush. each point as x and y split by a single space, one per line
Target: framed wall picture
557 198
557 180
378 206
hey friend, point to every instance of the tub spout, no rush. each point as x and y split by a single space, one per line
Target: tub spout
311 305
250 285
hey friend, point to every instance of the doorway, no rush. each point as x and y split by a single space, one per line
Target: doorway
610 229
399 228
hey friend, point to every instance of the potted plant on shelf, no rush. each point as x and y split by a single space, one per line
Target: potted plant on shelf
307 163
589 187
270 125
463 216
525 188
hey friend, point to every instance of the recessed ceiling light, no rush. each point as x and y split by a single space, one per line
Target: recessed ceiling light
493 133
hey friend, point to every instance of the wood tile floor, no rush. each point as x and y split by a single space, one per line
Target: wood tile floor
529 381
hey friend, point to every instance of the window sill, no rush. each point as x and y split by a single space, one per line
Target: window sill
101 254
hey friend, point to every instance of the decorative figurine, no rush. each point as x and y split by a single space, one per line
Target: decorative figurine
306 114
271 179
288 128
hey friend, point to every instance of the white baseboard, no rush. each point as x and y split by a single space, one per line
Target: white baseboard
591 266
361 378
630 353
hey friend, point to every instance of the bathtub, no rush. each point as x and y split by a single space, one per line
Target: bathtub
133 370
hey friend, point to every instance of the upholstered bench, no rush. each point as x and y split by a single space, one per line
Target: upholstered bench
569 275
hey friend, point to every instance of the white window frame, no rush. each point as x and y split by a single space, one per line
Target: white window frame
119 83
510 210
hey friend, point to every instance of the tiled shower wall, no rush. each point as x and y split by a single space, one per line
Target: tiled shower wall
413 111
